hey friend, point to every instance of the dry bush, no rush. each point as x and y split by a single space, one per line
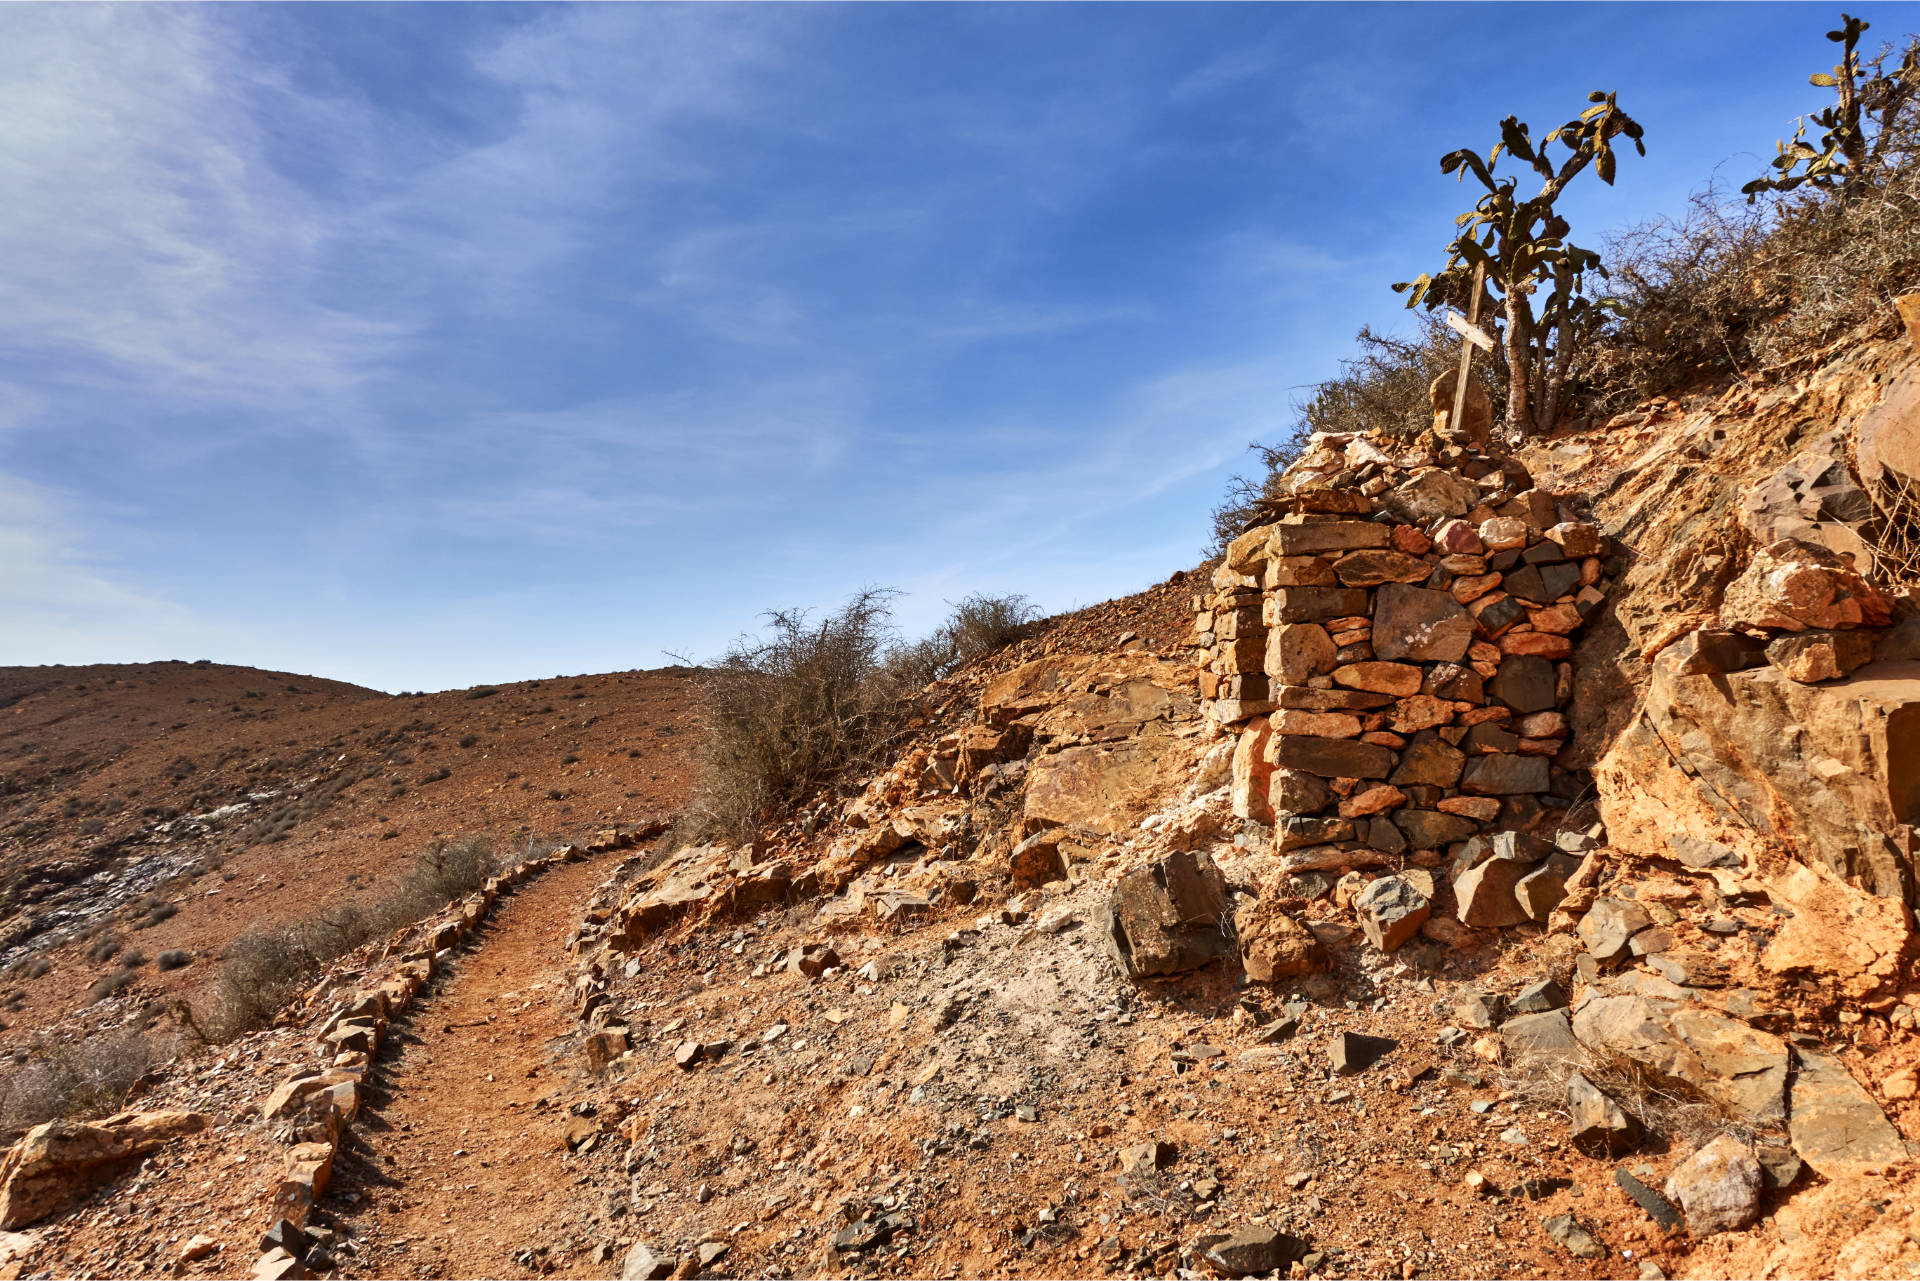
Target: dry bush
1733 289
1242 502
978 626
1894 531
1737 287
1383 389
981 624
59 1079
803 705
811 703
111 985
1665 1113
263 969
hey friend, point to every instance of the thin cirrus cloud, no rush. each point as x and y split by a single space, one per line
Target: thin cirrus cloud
143 244
372 339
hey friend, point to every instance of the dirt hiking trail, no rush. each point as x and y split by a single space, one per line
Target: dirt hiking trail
461 1167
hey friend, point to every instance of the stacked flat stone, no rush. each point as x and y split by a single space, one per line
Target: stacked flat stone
1394 651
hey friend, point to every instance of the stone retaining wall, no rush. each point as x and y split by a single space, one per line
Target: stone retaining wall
1394 651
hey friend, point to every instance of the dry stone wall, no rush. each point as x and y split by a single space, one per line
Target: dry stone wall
1394 652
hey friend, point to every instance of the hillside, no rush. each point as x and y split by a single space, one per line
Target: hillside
180 804
1496 864
1116 969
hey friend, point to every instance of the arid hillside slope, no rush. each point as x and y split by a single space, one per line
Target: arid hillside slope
1495 866
179 804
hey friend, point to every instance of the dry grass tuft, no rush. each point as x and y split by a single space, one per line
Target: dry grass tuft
1664 1111
263 969
59 1079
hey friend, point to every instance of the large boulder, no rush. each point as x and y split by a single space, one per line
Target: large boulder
1741 1069
1168 917
57 1163
1836 1126
1795 586
1831 771
1100 787
1844 939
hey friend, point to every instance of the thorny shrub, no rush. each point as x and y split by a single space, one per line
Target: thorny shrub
1730 290
53 1079
263 969
809 703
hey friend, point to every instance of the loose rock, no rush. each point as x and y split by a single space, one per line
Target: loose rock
1718 1187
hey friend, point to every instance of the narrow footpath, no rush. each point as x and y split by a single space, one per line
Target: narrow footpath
460 1167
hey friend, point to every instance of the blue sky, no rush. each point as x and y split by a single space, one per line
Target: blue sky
428 346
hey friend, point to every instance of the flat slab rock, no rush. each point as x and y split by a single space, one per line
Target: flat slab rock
1547 1036
1254 1251
1420 624
1836 1126
59 1162
1742 1069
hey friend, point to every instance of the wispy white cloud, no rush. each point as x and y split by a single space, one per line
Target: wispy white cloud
1011 320
1227 70
149 238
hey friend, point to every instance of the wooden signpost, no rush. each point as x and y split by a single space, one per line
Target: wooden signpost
1471 336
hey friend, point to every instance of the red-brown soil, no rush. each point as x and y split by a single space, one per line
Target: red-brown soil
475 1108
103 770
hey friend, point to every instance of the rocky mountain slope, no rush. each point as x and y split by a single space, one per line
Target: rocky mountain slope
1495 866
174 805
